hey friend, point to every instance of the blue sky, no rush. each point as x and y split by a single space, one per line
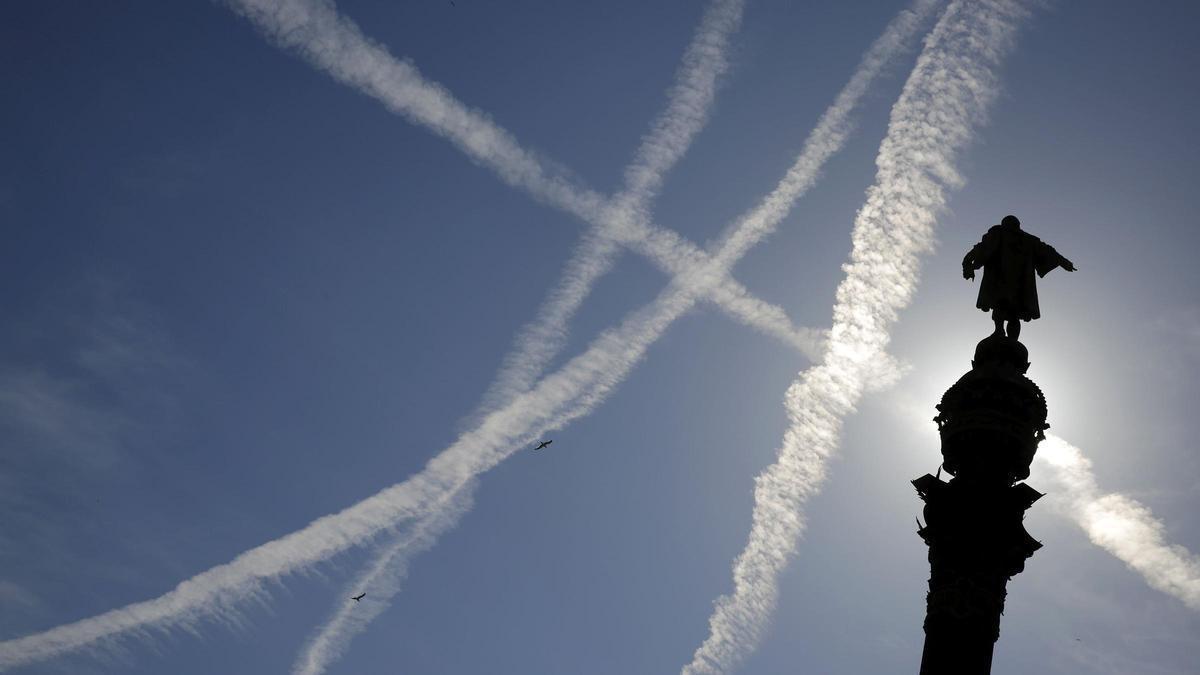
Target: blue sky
241 295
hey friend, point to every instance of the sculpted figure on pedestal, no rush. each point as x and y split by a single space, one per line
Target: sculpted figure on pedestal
1009 257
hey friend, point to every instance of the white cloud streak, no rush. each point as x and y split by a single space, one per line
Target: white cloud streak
688 103
1120 524
558 399
826 139
555 401
659 150
944 99
334 44
381 580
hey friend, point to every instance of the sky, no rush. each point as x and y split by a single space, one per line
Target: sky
266 259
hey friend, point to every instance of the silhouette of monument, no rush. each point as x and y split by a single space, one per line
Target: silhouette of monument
990 421
1009 256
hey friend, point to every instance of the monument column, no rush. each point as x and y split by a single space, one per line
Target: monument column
990 423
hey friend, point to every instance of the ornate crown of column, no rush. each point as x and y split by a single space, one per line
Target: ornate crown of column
992 419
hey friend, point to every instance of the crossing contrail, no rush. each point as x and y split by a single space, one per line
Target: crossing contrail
558 399
688 103
335 44
943 101
826 139
433 500
553 402
380 580
1120 524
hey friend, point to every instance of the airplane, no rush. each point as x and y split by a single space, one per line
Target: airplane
358 597
543 444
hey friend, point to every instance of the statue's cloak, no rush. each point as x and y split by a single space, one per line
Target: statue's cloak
1009 257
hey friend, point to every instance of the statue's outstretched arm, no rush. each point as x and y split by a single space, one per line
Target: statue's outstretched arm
971 262
1047 258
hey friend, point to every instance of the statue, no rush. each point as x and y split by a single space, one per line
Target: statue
1009 256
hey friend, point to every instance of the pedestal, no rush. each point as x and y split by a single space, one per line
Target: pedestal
990 423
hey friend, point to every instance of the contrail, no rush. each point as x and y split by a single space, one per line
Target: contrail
688 103
944 99
628 343
1121 525
826 139
555 401
381 580
1117 523
558 399
336 45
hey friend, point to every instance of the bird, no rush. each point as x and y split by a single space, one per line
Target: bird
543 444
358 597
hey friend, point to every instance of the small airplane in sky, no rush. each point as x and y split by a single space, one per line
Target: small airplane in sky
358 597
543 444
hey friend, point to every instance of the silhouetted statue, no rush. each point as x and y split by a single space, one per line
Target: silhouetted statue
1009 256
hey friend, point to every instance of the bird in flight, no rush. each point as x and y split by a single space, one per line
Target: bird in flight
543 444
358 597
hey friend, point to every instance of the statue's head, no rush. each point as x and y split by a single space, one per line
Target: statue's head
1011 222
